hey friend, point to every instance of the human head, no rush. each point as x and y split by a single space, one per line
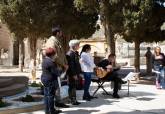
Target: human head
157 50
148 48
74 44
56 31
112 57
86 48
50 52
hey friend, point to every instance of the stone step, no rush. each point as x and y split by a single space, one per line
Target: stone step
4 82
12 89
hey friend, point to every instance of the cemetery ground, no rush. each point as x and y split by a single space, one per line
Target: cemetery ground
144 98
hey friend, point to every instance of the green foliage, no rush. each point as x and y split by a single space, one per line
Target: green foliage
2 103
27 98
88 6
75 23
143 21
130 17
37 17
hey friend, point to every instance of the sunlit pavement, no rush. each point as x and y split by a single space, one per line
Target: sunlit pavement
143 99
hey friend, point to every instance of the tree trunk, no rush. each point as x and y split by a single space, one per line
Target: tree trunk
112 42
16 52
107 26
21 55
137 56
33 44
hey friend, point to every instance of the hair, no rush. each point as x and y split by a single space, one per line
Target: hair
85 48
111 55
55 30
148 48
50 52
73 43
156 48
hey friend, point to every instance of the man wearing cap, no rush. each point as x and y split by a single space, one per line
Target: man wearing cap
59 59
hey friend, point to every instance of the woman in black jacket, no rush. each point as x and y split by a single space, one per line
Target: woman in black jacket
74 70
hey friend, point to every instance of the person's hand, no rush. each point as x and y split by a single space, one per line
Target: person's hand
66 67
109 68
75 77
96 67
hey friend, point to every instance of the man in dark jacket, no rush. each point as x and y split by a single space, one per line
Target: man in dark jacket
73 70
112 75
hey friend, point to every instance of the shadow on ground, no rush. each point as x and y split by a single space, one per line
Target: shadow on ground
152 111
81 111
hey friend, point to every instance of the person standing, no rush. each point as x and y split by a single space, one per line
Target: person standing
74 70
158 65
87 66
60 59
49 81
149 60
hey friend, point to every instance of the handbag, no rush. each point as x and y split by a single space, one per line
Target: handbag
80 83
63 89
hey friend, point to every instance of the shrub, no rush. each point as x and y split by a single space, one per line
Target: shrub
27 98
2 103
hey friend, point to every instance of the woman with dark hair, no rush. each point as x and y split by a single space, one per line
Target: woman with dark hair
49 80
158 65
87 66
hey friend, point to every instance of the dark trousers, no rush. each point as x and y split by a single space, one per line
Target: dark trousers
72 89
87 77
113 76
49 94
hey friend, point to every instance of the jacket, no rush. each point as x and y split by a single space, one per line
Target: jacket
73 63
60 57
50 71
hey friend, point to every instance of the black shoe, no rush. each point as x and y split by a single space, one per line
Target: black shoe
62 105
75 103
116 96
123 82
87 98
92 97
57 111
54 112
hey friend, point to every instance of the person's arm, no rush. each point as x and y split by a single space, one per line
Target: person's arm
104 63
54 70
163 59
71 63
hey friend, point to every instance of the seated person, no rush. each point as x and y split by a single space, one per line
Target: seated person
112 75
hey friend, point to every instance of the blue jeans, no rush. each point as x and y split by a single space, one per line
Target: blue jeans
160 77
49 94
87 77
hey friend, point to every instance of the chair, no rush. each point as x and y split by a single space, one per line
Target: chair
100 73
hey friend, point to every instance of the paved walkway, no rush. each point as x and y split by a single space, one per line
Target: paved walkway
143 99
